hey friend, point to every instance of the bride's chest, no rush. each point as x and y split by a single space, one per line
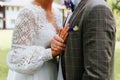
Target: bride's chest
44 30
44 34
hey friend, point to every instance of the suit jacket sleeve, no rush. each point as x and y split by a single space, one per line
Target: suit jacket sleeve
98 44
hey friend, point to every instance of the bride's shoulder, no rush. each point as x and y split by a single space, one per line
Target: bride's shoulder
32 9
26 10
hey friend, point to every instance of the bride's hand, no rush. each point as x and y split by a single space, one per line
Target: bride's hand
57 43
64 32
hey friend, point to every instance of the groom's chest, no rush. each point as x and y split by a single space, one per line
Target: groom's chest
75 34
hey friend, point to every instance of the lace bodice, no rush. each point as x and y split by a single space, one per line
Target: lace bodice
31 40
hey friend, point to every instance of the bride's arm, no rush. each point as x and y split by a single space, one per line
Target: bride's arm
23 56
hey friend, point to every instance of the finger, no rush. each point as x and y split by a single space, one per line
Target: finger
65 37
58 39
60 32
59 49
54 53
55 49
66 26
58 44
64 31
57 52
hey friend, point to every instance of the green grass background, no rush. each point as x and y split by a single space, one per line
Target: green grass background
5 43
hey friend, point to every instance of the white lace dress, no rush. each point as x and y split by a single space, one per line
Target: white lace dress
30 57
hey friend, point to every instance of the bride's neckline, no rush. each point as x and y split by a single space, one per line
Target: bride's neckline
39 7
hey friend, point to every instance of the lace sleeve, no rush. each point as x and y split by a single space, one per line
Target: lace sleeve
23 56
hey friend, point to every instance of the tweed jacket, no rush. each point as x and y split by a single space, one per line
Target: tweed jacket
89 53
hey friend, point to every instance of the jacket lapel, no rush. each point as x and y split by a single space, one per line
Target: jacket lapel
77 12
72 21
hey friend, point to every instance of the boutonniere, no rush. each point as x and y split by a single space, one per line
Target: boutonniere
74 28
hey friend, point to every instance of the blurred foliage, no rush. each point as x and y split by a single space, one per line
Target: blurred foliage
115 6
57 1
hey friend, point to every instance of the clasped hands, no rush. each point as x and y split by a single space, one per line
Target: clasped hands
58 42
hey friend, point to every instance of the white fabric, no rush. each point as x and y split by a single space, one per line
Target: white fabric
30 57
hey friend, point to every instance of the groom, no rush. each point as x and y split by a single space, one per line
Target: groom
90 45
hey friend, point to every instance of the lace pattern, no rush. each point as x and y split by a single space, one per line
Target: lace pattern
29 47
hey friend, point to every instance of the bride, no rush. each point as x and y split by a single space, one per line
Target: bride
34 46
